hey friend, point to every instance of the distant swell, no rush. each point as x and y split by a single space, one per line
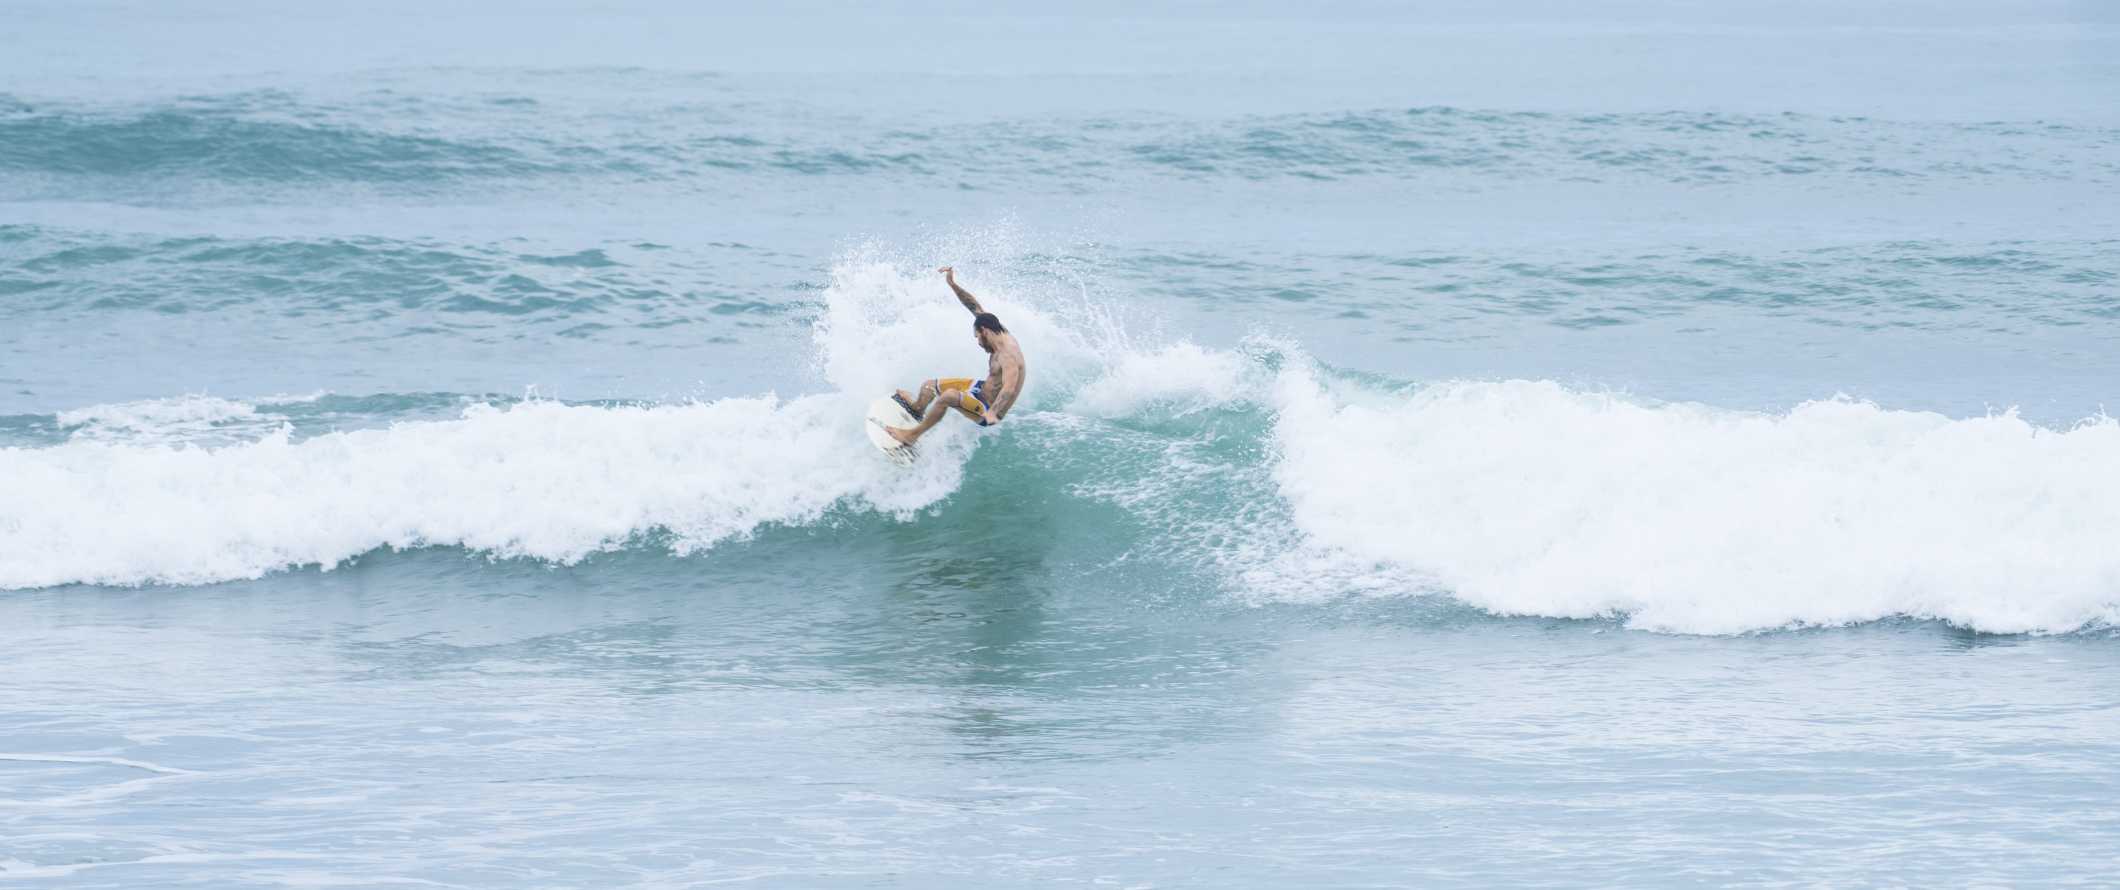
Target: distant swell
274 140
364 282
216 145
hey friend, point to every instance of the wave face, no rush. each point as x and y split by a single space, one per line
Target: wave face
1257 472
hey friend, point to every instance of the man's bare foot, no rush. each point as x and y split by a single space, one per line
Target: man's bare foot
904 437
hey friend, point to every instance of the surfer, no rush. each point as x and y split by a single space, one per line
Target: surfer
984 401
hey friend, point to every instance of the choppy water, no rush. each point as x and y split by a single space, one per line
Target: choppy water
1455 454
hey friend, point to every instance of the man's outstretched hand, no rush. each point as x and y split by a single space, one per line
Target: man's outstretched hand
949 274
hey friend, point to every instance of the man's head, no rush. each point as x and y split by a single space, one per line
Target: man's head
984 326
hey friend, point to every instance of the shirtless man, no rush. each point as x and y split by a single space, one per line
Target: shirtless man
985 401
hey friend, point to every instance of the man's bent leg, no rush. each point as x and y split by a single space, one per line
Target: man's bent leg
943 401
920 402
916 405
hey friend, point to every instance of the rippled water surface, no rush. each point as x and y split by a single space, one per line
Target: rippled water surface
1634 446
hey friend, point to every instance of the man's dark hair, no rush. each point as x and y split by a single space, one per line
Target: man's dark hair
988 321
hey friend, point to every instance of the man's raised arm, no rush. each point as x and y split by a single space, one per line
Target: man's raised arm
963 296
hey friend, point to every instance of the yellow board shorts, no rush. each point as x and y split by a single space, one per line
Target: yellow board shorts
974 388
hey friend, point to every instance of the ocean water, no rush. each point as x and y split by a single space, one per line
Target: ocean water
1481 445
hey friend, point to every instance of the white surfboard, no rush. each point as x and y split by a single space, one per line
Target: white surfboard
886 412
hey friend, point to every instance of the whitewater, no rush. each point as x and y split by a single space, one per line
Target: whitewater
1645 444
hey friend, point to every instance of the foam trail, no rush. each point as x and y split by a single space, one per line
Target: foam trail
1530 499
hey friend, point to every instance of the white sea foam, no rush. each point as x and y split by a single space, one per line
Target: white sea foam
156 412
537 479
195 418
1528 498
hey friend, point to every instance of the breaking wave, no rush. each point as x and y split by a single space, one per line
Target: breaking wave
1268 476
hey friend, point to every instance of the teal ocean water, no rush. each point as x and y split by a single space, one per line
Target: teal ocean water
1476 446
